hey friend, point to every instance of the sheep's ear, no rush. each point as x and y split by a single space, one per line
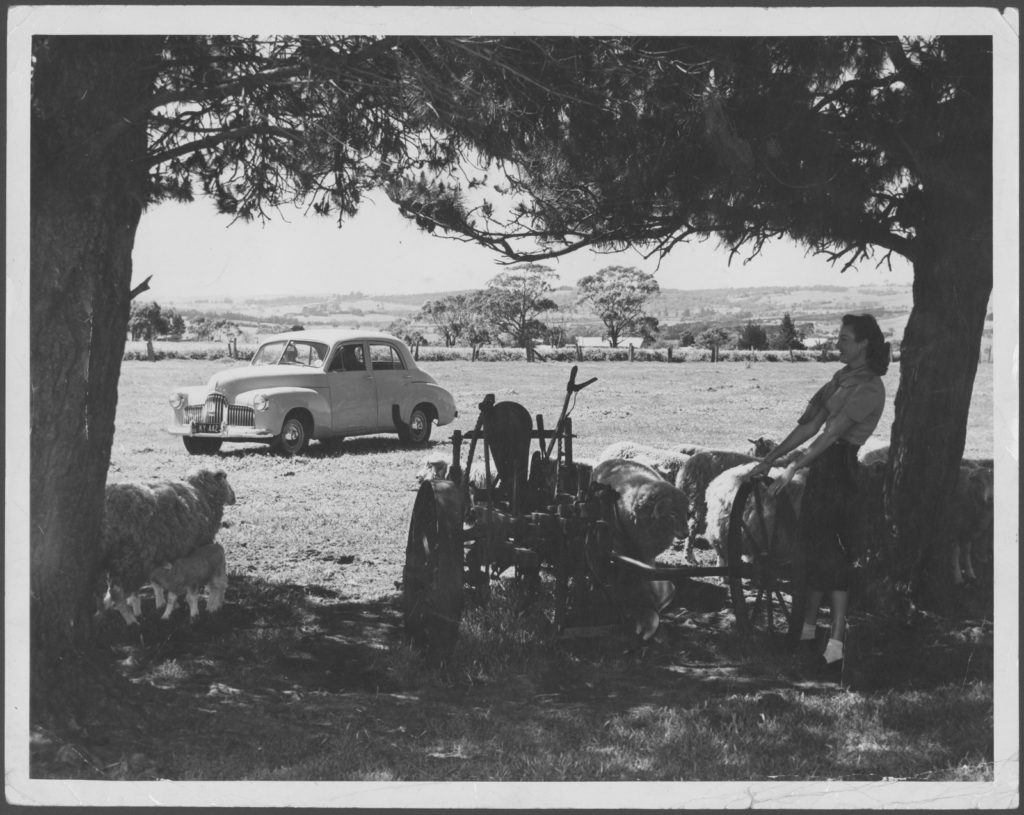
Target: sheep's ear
753 441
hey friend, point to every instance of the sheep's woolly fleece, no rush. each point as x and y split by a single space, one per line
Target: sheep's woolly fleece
650 512
666 462
146 525
721 493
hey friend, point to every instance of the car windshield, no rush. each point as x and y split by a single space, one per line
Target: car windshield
291 352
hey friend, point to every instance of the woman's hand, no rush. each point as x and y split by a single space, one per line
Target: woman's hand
780 483
761 468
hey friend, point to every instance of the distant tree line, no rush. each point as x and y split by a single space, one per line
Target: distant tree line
511 310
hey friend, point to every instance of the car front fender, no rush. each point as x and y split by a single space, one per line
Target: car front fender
283 400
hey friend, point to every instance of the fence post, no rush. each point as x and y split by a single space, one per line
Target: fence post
579 353
670 353
631 352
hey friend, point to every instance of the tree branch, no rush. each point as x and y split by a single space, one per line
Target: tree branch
143 286
217 138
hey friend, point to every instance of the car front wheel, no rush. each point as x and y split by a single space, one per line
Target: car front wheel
294 437
419 427
198 446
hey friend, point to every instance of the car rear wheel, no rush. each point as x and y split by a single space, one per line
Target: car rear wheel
294 436
200 446
421 423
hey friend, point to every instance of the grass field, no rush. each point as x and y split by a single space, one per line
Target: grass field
304 675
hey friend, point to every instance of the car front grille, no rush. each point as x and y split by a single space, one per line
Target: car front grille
213 412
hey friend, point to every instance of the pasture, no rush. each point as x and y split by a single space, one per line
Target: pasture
304 675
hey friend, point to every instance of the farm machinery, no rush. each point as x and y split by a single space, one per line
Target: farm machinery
536 514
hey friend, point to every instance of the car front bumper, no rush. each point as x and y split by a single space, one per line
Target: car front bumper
225 433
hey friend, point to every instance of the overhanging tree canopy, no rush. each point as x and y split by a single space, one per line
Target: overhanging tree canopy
845 144
856 147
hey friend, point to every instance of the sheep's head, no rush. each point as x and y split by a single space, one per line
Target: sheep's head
982 486
215 483
669 522
434 468
115 599
762 446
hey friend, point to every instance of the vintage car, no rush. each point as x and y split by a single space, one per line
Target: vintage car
318 384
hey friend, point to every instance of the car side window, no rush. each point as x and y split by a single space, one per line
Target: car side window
349 358
385 358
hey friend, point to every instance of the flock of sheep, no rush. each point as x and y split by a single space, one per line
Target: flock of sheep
684 496
709 480
162 533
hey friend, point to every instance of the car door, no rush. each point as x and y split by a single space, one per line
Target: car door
353 392
391 377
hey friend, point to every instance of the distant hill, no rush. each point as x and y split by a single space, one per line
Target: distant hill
821 305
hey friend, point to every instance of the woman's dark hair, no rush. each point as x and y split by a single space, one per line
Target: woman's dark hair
865 327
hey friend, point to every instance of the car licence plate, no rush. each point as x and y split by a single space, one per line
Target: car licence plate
205 427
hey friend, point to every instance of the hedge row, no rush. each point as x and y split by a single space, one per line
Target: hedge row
434 353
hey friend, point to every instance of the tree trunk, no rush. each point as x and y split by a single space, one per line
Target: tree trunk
86 202
939 359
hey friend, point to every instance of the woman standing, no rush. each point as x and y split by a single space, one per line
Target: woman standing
848 407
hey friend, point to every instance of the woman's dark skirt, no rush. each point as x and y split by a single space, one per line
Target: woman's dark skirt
827 518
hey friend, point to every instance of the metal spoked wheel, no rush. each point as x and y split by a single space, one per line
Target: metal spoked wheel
432 578
766 562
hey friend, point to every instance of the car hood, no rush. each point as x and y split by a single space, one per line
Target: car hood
239 380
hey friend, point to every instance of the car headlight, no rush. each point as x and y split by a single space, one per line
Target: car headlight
178 400
261 402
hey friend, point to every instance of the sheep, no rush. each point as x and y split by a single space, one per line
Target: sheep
130 607
761 446
436 466
146 525
972 516
666 462
720 496
188 575
649 512
693 479
971 512
871 452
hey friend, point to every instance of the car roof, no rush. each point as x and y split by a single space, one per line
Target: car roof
330 336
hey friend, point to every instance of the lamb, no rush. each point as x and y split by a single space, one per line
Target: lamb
436 467
146 525
188 575
649 512
972 516
666 462
720 496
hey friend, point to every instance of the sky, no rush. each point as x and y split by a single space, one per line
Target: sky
191 252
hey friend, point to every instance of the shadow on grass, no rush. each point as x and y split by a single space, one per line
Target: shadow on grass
294 682
358 446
